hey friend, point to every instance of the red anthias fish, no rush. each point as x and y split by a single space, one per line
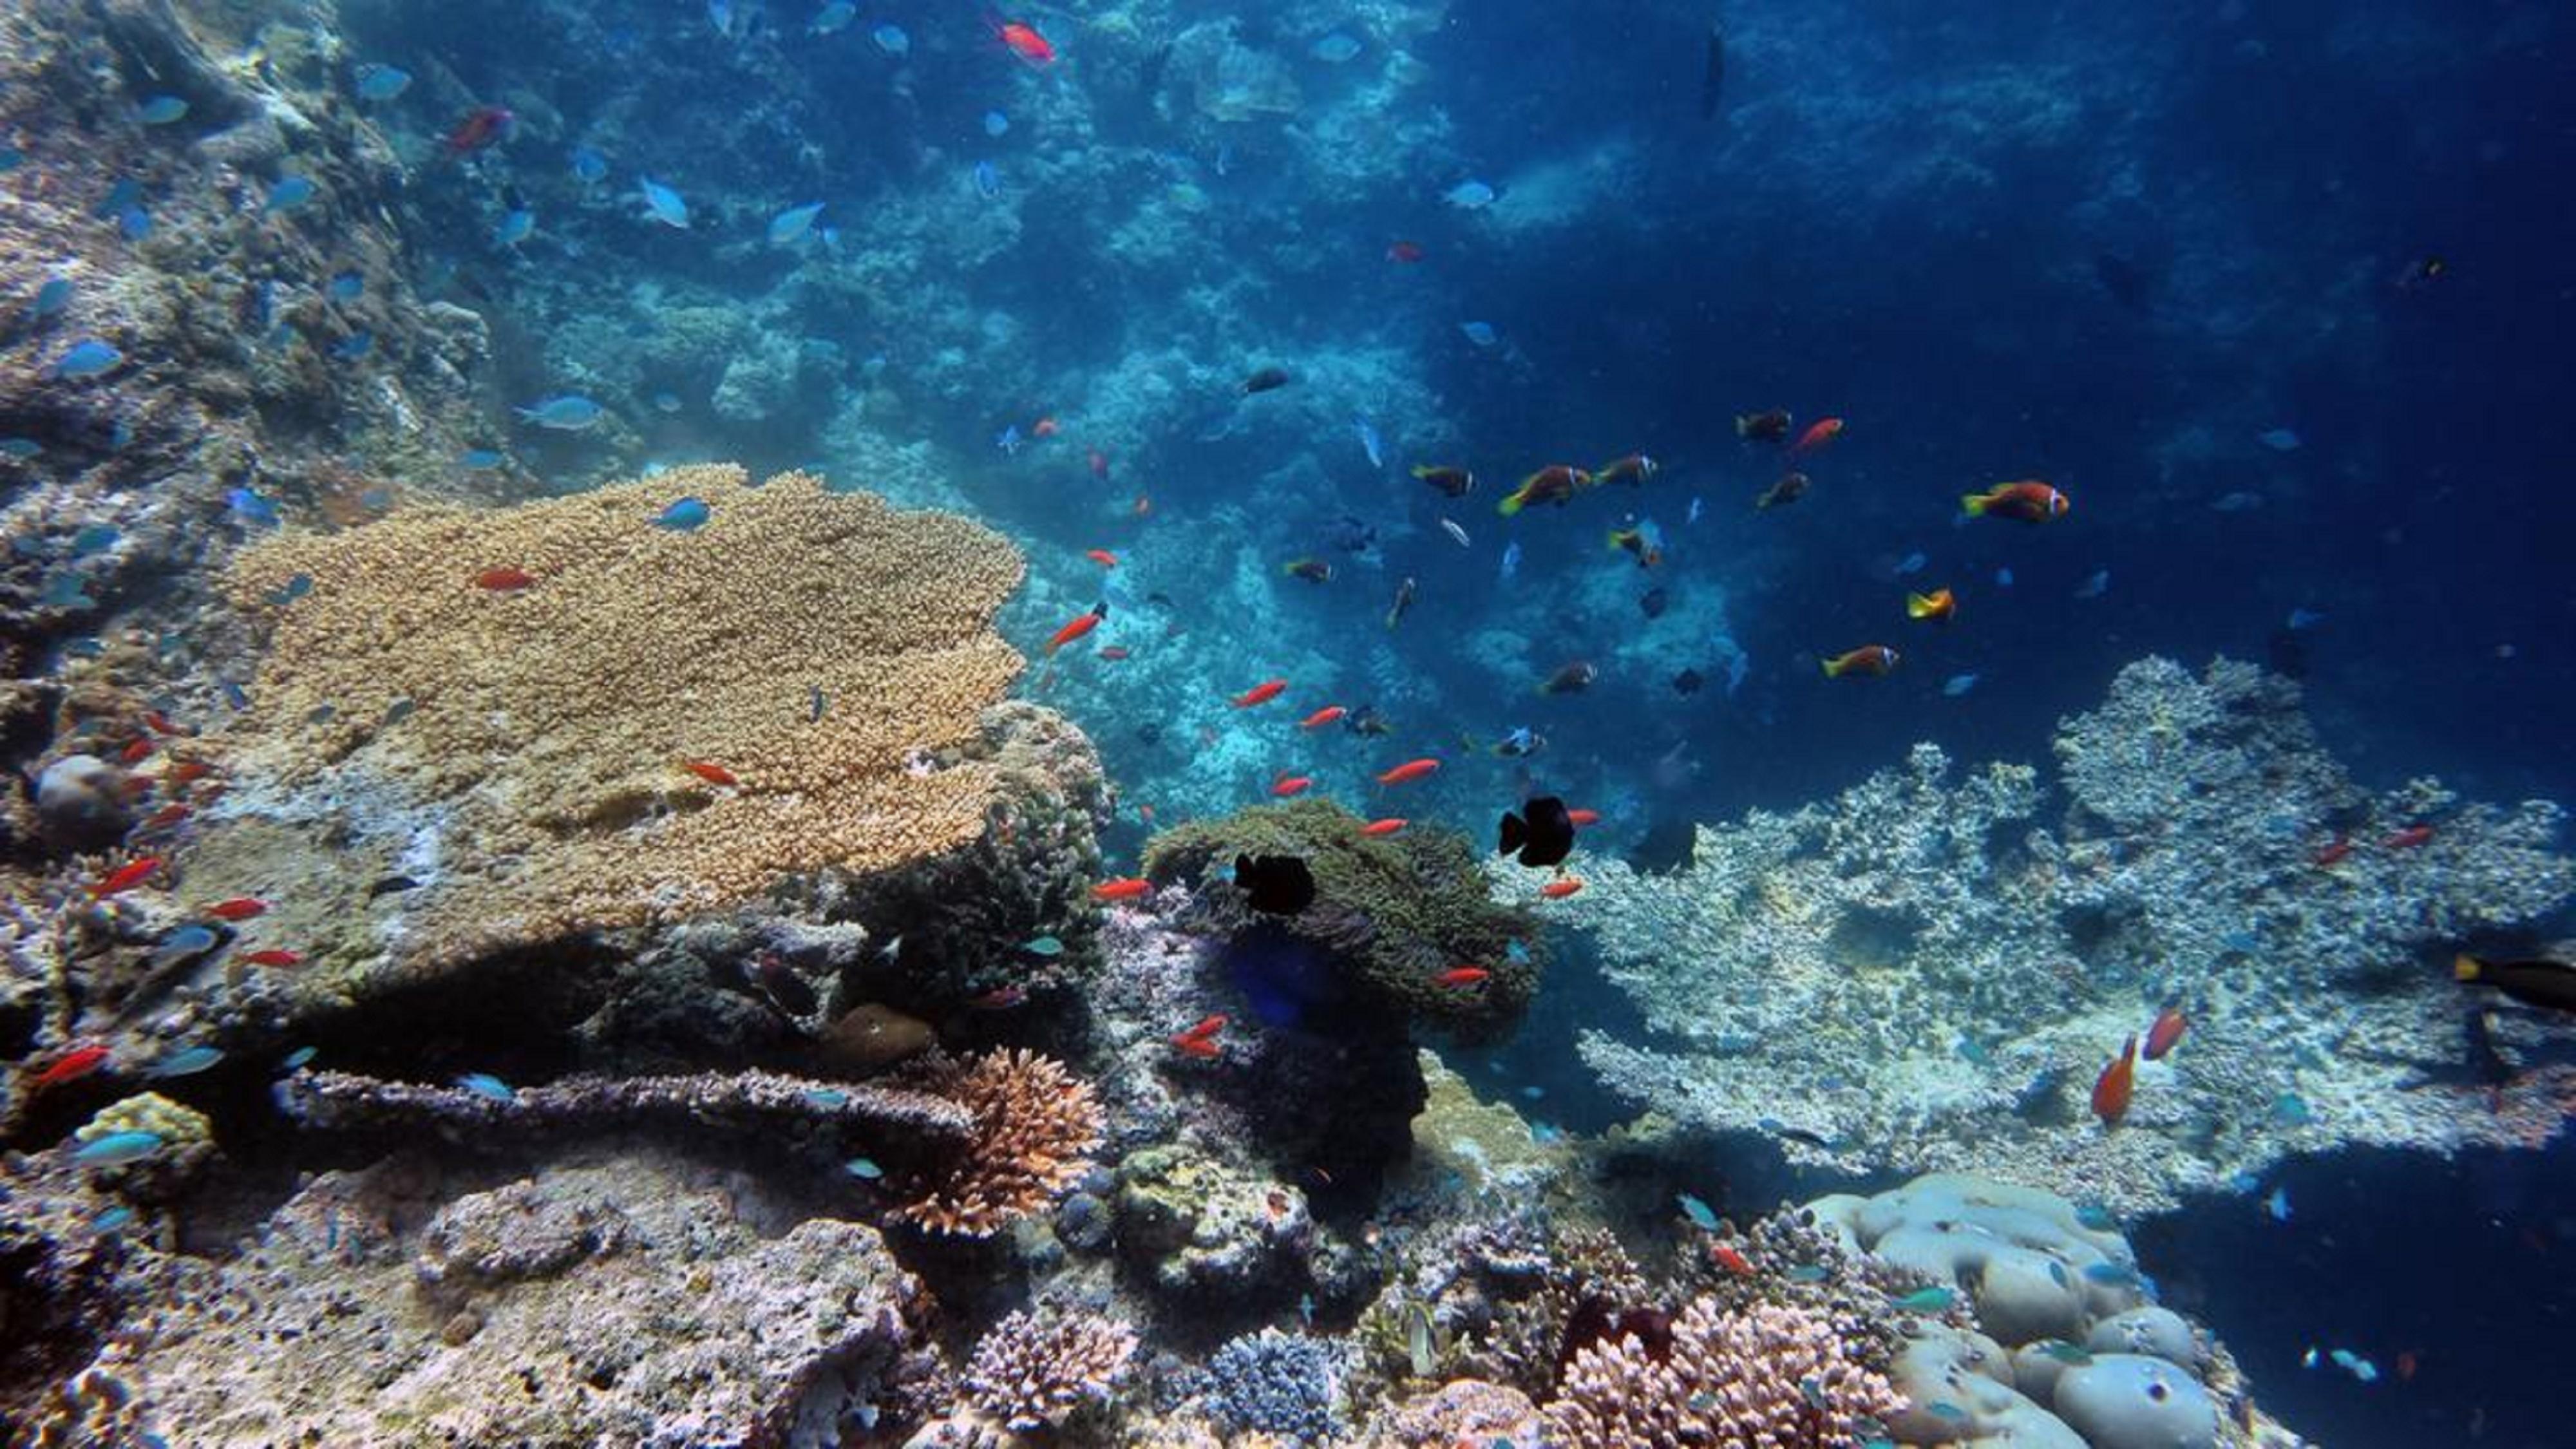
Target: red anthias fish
2408 838
125 877
711 772
273 956
1126 888
73 1065
1075 628
1409 770
1557 890
1322 717
1376 829
1289 785
1726 1256
482 126
1462 976
1262 693
239 908
2334 850
504 580
2169 1026
1583 817
1200 1040
1023 41
2111 1090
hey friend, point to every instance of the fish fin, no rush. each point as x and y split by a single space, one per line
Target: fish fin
1917 606
1832 671
1515 833
1512 504
1974 504
2465 967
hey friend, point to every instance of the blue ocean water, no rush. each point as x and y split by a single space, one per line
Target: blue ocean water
2276 295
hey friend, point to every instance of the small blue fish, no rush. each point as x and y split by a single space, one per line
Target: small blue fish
348 287
1973 1052
112 1219
2301 619
247 506
2064 1352
95 538
1370 442
2112 1275
789 227
2095 585
235 695
1511 558
828 1098
1470 195
663 204
382 82
2292 1109
1480 333
1697 505
819 704
20 448
298 1059
1935 1299
161 111
1043 946
1515 952
988 182
683 516
588 166
996 125
1335 47
833 18
2003 578
51 298
1806 1273
515 226
289 193
891 39
1008 440
481 460
186 1063
486 1085
1912 563
66 590
11 158
134 224
864 1168
126 192
117 1147
2278 1204
1701 1215
1958 684
2096 1217
183 943
87 358
568 412
292 590
355 346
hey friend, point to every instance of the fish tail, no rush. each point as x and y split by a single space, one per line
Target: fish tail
1974 504
1917 606
1515 833
1616 541
1833 668
1512 504
2467 968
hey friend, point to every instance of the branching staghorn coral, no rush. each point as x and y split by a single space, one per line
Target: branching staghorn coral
515 699
1916 975
1772 1377
1034 1371
343 1099
1034 1124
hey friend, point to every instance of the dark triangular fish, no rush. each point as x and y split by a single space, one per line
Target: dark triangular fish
1654 603
1543 833
2547 984
392 885
1688 682
1275 885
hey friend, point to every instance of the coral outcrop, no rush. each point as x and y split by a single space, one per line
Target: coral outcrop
1034 1371
572 717
1034 1126
1919 973
1774 1376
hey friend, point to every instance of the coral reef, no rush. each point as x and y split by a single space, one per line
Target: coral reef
1277 1383
345 1100
1764 1379
519 695
1916 974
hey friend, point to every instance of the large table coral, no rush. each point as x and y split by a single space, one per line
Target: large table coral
1916 975
569 714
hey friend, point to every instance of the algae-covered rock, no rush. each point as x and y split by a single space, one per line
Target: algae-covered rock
1198 1229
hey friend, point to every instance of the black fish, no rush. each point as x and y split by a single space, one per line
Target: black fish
1366 720
1712 76
2542 983
1654 603
1275 885
1688 682
1150 733
391 885
1264 380
1543 833
785 989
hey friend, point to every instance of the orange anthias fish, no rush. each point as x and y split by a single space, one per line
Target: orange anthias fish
273 956
1868 659
1114 652
2168 1029
504 580
1024 41
239 908
2408 838
711 772
1583 817
125 877
1936 606
2111 1090
1462 976
481 127
1322 717
1102 557
1377 829
2028 501
136 752
1726 1256
1200 1040
1080 625
1044 428
1289 785
1557 890
72 1065
2334 850
1409 770
1125 888
1262 693
1818 433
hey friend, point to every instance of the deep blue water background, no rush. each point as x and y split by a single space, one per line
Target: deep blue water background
2104 245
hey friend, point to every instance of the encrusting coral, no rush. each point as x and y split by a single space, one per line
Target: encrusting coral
1770 1378
579 713
1035 1123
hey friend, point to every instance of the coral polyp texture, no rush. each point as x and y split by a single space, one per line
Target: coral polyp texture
1920 974
1034 1371
1035 1125
561 716
1768 1378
